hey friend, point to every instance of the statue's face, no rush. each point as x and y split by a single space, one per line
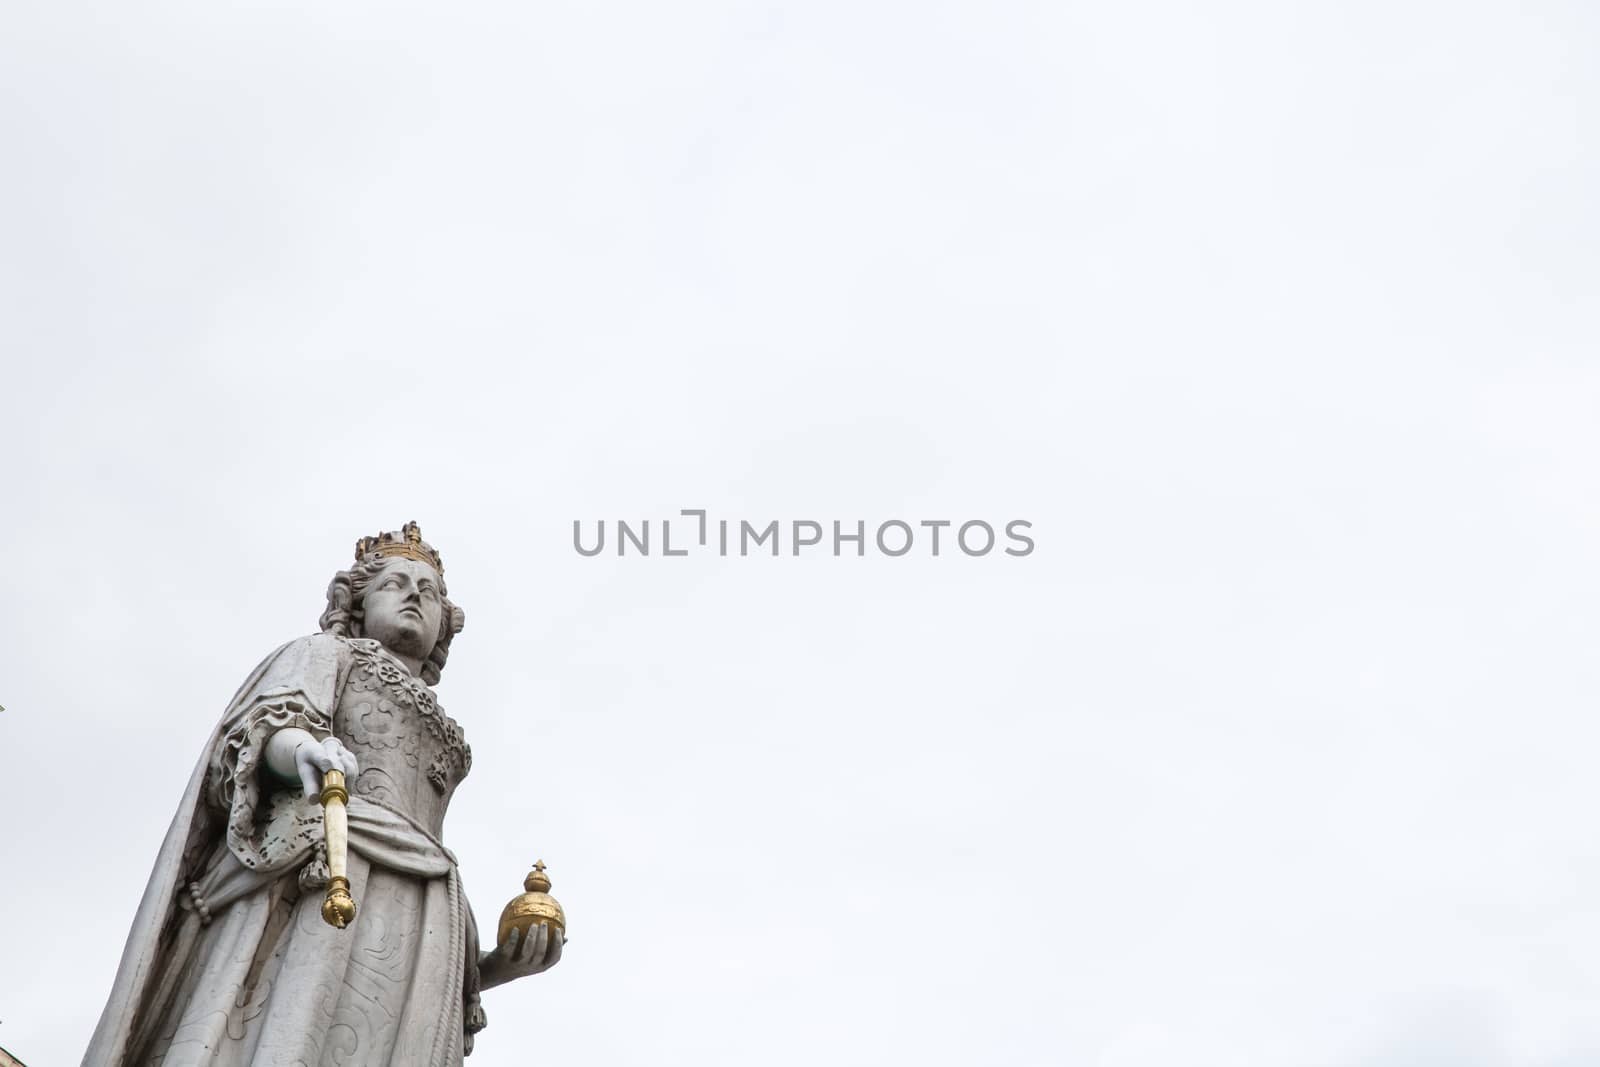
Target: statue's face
402 608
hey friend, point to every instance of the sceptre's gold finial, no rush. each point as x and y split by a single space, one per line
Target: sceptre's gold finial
408 545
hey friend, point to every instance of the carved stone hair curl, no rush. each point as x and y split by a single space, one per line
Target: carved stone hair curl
344 616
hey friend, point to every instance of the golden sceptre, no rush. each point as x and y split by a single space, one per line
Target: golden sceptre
338 908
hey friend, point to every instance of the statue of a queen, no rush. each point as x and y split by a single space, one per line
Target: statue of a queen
230 962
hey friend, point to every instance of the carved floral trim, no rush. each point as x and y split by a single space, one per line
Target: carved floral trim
372 660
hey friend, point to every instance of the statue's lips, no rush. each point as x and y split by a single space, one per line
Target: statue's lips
415 613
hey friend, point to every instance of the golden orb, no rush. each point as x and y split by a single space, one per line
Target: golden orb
536 907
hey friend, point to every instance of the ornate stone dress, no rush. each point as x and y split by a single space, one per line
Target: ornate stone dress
230 963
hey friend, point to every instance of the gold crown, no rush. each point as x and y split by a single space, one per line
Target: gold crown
408 545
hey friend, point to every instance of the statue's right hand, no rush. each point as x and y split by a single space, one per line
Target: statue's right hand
313 757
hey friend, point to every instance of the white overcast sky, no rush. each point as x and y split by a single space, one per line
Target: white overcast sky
1276 319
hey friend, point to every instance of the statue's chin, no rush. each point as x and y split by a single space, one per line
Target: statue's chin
402 640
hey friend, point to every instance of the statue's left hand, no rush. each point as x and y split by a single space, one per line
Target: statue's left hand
521 956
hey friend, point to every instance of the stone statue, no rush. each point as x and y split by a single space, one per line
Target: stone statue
230 962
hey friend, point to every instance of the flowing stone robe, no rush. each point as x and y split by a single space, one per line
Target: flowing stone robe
230 963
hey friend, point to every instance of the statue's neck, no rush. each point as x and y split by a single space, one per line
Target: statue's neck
411 663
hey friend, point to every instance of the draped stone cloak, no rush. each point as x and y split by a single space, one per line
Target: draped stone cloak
229 962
